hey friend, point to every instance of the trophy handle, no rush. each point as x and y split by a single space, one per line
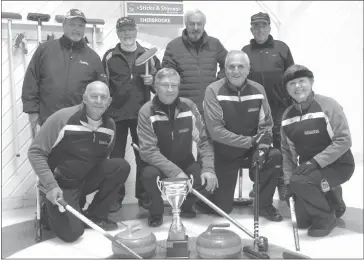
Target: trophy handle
159 184
190 183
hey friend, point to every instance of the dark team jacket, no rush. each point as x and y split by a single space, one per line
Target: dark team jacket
57 76
126 85
268 63
166 143
316 129
197 68
67 142
234 116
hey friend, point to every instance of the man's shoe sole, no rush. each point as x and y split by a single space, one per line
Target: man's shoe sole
320 232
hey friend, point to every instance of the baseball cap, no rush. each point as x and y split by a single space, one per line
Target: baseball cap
124 21
75 13
260 17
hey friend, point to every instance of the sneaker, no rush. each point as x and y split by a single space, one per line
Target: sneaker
271 213
322 227
155 221
188 213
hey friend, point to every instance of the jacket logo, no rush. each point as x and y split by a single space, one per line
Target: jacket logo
311 132
103 142
253 109
83 62
184 130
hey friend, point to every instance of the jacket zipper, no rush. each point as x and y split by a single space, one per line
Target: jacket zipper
262 62
239 95
169 111
68 70
300 112
172 135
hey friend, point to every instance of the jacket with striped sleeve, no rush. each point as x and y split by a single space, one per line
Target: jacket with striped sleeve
166 143
316 129
233 116
67 142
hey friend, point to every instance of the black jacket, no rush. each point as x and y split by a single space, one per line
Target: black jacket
268 63
197 69
57 76
127 88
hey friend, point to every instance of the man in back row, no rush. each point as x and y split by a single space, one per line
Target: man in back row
195 56
269 60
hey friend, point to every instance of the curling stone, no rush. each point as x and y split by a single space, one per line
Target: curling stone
141 242
218 243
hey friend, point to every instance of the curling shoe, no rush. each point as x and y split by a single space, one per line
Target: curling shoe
271 213
322 227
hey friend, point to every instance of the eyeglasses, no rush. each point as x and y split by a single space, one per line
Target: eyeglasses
166 86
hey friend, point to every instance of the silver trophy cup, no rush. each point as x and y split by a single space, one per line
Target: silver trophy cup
175 190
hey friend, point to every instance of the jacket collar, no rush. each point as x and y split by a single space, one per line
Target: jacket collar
68 43
235 88
269 43
117 50
186 40
306 104
158 105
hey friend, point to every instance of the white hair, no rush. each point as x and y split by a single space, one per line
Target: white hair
192 12
235 52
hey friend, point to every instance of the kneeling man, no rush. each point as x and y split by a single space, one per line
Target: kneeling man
167 127
239 121
70 156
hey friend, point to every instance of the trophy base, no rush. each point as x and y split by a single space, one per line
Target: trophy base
178 248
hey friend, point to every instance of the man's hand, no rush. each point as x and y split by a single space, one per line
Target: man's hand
306 168
33 120
260 156
54 194
182 175
259 137
211 181
148 79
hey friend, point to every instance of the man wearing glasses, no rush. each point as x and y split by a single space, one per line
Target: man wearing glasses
167 126
129 89
269 60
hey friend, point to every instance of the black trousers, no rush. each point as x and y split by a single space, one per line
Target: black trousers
227 176
149 179
122 128
106 177
311 202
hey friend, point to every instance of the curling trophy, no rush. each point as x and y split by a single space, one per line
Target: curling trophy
175 190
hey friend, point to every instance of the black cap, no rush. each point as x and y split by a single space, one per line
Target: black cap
260 17
75 13
124 21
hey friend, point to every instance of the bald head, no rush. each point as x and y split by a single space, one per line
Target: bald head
237 67
97 85
96 99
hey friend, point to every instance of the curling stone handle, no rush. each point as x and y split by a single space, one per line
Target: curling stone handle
211 226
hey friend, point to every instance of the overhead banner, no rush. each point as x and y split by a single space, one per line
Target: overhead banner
156 13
